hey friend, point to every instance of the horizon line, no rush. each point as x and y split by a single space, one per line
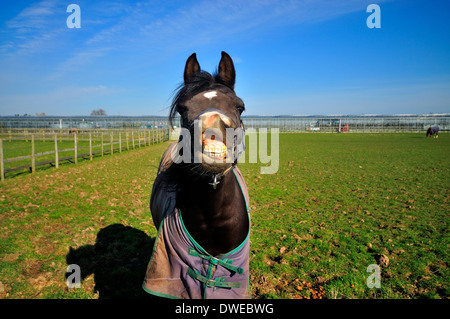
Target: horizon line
243 116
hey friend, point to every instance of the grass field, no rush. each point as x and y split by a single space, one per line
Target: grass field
337 203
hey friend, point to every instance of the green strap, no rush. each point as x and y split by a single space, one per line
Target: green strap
226 263
219 282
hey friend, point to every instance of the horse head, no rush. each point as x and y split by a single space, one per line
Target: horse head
210 113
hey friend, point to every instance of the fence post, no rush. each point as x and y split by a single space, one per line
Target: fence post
120 142
128 146
56 151
33 158
102 144
132 138
90 146
111 139
2 167
75 143
139 139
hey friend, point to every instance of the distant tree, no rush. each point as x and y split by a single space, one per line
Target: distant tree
99 112
41 114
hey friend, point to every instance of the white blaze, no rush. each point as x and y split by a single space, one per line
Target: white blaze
210 95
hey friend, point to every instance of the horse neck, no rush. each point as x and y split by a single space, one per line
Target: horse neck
209 202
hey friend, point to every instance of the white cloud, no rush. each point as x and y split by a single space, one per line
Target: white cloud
34 17
156 26
112 30
35 29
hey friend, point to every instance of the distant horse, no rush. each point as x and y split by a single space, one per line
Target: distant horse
433 130
199 200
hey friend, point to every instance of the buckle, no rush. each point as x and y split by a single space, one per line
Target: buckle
209 281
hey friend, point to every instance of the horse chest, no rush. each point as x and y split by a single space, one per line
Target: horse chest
218 229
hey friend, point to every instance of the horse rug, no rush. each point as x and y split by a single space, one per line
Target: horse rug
179 267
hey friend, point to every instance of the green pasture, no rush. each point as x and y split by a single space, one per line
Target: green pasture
338 203
22 147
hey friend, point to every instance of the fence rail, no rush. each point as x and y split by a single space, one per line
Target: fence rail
22 149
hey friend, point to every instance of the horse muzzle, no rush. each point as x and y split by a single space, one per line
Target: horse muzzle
220 138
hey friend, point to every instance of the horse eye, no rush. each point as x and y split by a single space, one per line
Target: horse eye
181 109
240 108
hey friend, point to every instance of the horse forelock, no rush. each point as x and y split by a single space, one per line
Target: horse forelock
200 82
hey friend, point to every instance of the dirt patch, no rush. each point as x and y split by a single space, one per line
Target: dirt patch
261 285
32 268
11 257
382 260
41 281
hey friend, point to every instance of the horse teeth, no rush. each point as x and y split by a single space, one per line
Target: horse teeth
214 149
213 153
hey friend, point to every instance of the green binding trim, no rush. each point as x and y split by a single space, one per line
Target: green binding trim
159 294
156 293
218 282
240 186
226 263
248 216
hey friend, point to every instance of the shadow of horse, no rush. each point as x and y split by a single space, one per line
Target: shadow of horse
118 261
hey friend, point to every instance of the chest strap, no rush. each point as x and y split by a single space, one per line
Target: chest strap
226 263
216 283
213 261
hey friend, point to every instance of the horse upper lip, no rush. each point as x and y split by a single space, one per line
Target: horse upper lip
214 134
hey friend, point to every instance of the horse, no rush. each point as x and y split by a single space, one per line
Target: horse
433 130
199 200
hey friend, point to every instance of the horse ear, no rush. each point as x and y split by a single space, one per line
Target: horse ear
227 74
192 67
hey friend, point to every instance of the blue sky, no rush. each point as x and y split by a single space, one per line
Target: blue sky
291 57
